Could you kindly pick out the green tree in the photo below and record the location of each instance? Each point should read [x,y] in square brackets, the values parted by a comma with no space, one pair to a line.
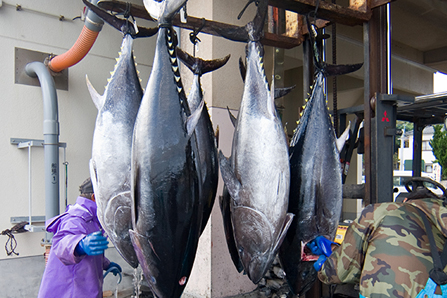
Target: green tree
[439,145]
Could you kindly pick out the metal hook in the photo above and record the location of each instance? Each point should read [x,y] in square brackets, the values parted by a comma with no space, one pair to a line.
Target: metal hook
[245,7]
[193,35]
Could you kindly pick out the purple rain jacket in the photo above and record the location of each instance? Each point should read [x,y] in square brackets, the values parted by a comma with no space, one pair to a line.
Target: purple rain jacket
[66,274]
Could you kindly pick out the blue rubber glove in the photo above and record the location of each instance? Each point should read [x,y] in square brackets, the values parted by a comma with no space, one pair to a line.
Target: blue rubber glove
[317,265]
[93,244]
[320,246]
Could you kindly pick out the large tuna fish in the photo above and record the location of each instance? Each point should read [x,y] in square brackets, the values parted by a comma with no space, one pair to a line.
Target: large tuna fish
[205,136]
[316,185]
[257,177]
[112,142]
[166,217]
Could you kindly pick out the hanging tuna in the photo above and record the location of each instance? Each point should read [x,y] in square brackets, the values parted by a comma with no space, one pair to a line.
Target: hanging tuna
[112,139]
[257,176]
[205,135]
[316,185]
[166,210]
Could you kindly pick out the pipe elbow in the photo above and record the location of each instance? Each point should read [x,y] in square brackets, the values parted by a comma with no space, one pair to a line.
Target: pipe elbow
[92,26]
[76,53]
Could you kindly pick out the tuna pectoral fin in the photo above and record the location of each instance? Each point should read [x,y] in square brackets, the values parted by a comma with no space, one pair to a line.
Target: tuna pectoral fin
[224,202]
[93,175]
[98,100]
[342,139]
[118,221]
[231,182]
[192,120]
[140,244]
[232,117]
[282,235]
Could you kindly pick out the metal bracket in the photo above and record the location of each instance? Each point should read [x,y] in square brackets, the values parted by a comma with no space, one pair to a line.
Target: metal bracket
[25,143]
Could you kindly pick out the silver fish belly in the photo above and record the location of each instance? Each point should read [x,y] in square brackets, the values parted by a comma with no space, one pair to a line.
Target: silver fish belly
[111,150]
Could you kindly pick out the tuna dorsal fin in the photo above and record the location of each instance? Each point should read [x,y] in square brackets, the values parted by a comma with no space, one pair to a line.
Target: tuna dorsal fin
[231,182]
[287,222]
[98,100]
[200,66]
[163,10]
[192,120]
[342,139]
[232,117]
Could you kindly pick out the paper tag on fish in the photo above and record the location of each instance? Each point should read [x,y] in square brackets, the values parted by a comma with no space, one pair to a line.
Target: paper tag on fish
[306,254]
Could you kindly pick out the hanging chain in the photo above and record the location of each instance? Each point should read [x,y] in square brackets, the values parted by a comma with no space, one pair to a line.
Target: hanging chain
[334,79]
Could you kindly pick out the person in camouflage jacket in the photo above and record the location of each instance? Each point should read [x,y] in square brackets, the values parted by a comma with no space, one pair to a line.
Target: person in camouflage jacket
[386,249]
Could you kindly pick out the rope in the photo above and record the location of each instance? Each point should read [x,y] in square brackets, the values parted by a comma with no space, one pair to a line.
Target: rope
[11,243]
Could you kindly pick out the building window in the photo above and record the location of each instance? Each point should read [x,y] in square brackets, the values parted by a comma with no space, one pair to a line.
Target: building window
[429,168]
[426,146]
[406,144]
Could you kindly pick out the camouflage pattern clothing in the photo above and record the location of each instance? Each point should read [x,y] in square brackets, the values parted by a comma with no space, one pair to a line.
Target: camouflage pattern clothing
[386,250]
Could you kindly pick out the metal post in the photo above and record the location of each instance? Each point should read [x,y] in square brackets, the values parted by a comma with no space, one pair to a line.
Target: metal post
[51,138]
[417,148]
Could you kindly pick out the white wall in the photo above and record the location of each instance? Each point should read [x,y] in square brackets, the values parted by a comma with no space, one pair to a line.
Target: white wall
[37,28]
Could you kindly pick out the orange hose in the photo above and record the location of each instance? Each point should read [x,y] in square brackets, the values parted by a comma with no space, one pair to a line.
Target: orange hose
[78,51]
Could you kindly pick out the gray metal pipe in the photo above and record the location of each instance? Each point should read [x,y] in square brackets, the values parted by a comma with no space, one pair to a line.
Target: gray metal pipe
[51,138]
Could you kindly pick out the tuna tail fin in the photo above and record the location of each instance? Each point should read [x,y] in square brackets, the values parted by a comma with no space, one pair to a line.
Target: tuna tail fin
[193,119]
[232,117]
[336,70]
[98,100]
[125,26]
[253,30]
[342,139]
[231,182]
[163,10]
[200,66]
[280,92]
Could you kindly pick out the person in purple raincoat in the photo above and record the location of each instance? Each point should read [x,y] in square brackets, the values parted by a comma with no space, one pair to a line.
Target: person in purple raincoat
[76,261]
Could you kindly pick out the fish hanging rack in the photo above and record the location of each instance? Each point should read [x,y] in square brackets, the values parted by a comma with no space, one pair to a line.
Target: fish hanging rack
[358,12]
